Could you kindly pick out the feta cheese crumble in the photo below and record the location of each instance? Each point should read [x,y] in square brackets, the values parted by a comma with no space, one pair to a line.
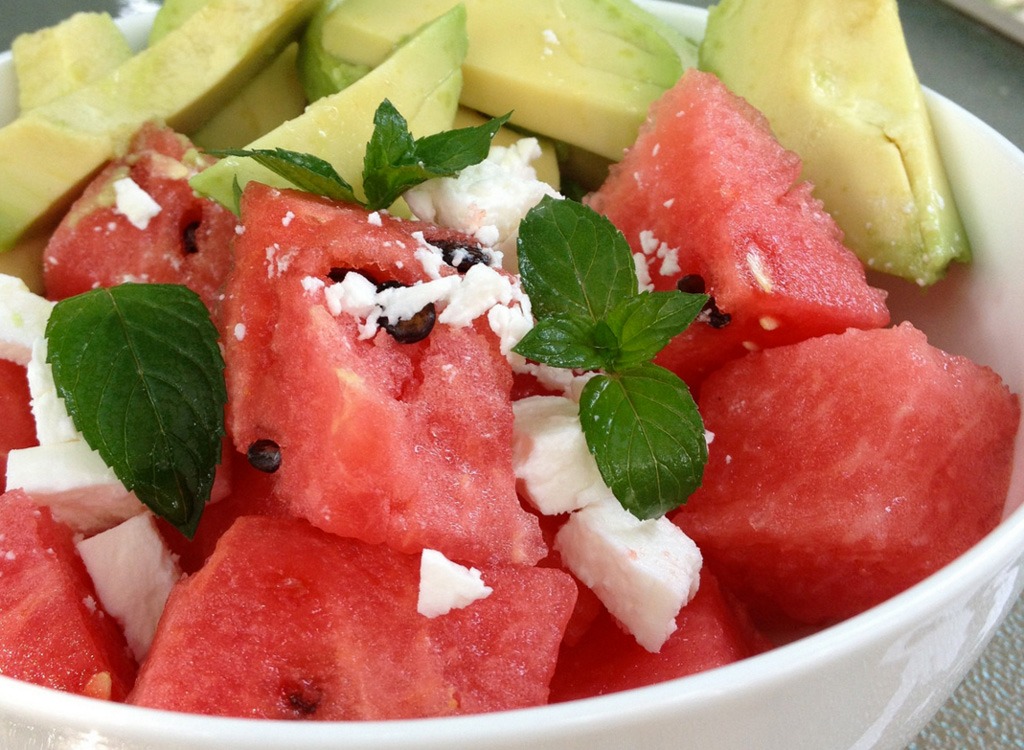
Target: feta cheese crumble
[133,572]
[53,424]
[554,469]
[487,200]
[23,317]
[71,478]
[644,572]
[445,585]
[134,203]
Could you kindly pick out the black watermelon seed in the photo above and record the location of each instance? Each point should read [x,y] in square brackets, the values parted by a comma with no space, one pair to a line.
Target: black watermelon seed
[337,275]
[264,455]
[461,255]
[691,283]
[716,318]
[414,329]
[188,238]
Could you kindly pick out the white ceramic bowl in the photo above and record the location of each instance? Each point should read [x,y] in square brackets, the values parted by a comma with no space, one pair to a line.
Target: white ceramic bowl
[870,682]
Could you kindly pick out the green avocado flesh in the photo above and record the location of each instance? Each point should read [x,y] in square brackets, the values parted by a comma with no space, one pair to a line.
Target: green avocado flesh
[53,149]
[422,79]
[52,62]
[835,80]
[580,71]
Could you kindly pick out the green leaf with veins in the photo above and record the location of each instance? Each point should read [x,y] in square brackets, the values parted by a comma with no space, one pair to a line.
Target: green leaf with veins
[573,261]
[643,325]
[141,373]
[566,341]
[647,437]
[640,422]
[304,171]
[394,161]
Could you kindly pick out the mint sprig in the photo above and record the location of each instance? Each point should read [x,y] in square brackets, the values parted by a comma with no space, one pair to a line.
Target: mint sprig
[640,421]
[393,163]
[140,371]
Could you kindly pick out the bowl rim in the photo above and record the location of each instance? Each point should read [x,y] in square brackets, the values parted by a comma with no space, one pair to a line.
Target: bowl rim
[998,551]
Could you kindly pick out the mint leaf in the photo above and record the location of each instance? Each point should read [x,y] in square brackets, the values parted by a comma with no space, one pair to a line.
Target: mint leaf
[639,420]
[643,325]
[567,342]
[304,171]
[390,165]
[395,162]
[451,151]
[573,261]
[644,430]
[140,370]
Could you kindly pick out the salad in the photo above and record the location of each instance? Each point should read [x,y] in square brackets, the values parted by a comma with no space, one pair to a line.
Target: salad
[335,319]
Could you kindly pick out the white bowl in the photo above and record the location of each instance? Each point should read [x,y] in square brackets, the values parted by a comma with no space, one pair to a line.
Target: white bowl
[870,682]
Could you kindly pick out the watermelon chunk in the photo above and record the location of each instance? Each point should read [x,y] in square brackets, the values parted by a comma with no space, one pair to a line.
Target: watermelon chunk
[18,427]
[708,189]
[188,242]
[845,469]
[711,631]
[403,443]
[53,632]
[251,493]
[287,621]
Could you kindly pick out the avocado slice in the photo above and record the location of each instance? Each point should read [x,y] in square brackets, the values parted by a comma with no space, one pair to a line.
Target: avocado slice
[581,71]
[422,79]
[836,82]
[171,15]
[51,151]
[271,97]
[274,96]
[57,60]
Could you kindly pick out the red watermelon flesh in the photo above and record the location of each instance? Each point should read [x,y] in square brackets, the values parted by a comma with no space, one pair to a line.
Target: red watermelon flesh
[188,242]
[707,179]
[711,631]
[408,444]
[288,622]
[250,494]
[847,468]
[52,629]
[17,427]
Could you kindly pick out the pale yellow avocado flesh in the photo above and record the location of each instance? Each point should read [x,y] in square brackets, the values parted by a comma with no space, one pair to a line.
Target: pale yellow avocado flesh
[171,15]
[47,154]
[422,79]
[271,97]
[274,96]
[53,62]
[836,82]
[583,71]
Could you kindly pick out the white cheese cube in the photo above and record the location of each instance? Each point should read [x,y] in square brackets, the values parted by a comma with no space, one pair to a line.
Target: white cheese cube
[53,424]
[445,585]
[642,571]
[133,571]
[73,481]
[134,203]
[23,316]
[554,468]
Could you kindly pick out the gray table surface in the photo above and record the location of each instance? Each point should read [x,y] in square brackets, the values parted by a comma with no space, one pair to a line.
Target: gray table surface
[979,69]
